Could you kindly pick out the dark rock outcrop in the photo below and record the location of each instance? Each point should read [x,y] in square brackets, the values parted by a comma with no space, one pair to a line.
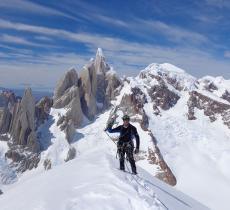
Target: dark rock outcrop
[163,97]
[155,157]
[22,158]
[47,164]
[7,102]
[5,119]
[132,104]
[211,107]
[42,110]
[71,154]
[226,96]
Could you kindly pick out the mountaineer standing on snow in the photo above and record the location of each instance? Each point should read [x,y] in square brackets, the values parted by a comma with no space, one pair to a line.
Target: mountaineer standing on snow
[125,143]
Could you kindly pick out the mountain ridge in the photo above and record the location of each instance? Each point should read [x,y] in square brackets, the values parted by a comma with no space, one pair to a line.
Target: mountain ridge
[164,102]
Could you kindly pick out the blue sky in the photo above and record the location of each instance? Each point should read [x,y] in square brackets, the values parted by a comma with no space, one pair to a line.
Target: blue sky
[40,40]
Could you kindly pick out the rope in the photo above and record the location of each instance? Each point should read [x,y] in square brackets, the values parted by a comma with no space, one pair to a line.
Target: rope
[134,176]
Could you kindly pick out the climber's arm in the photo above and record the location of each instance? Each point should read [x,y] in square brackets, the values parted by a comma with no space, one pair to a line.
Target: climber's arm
[114,130]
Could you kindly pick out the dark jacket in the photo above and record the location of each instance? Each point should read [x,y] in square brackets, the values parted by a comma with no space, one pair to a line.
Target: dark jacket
[126,134]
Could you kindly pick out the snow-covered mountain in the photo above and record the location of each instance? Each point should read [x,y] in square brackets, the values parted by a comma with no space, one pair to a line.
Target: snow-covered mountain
[184,128]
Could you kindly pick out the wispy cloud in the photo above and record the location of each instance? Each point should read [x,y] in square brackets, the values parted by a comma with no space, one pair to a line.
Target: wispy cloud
[18,40]
[32,7]
[219,3]
[135,25]
[172,33]
[127,57]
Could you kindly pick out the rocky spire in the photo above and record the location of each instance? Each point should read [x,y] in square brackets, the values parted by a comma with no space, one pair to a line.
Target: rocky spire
[100,65]
[68,80]
[7,102]
[88,94]
[89,88]
[23,123]
[67,95]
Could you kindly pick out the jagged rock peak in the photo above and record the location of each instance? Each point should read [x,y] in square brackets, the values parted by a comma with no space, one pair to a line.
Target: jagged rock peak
[23,122]
[68,80]
[100,64]
[100,53]
[28,107]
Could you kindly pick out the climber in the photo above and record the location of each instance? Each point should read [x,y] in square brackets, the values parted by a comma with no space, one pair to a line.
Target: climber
[125,143]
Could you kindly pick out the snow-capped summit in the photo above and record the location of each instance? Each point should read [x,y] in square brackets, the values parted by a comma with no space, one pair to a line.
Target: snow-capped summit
[171,74]
[165,67]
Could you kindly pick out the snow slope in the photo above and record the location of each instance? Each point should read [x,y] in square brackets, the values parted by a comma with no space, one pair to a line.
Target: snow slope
[92,181]
[198,152]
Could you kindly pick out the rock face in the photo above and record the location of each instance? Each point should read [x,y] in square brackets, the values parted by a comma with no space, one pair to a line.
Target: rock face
[163,97]
[67,96]
[112,84]
[5,118]
[71,154]
[22,128]
[212,108]
[88,81]
[155,157]
[7,102]
[226,96]
[70,79]
[42,110]
[22,158]
[24,147]
[132,104]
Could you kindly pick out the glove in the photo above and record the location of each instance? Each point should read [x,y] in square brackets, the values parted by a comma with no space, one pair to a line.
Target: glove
[110,125]
[136,151]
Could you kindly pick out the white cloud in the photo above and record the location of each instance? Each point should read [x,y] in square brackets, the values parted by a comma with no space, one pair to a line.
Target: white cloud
[176,33]
[17,40]
[127,57]
[34,8]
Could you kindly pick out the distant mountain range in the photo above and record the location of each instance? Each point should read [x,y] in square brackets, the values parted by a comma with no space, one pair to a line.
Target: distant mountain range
[37,94]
